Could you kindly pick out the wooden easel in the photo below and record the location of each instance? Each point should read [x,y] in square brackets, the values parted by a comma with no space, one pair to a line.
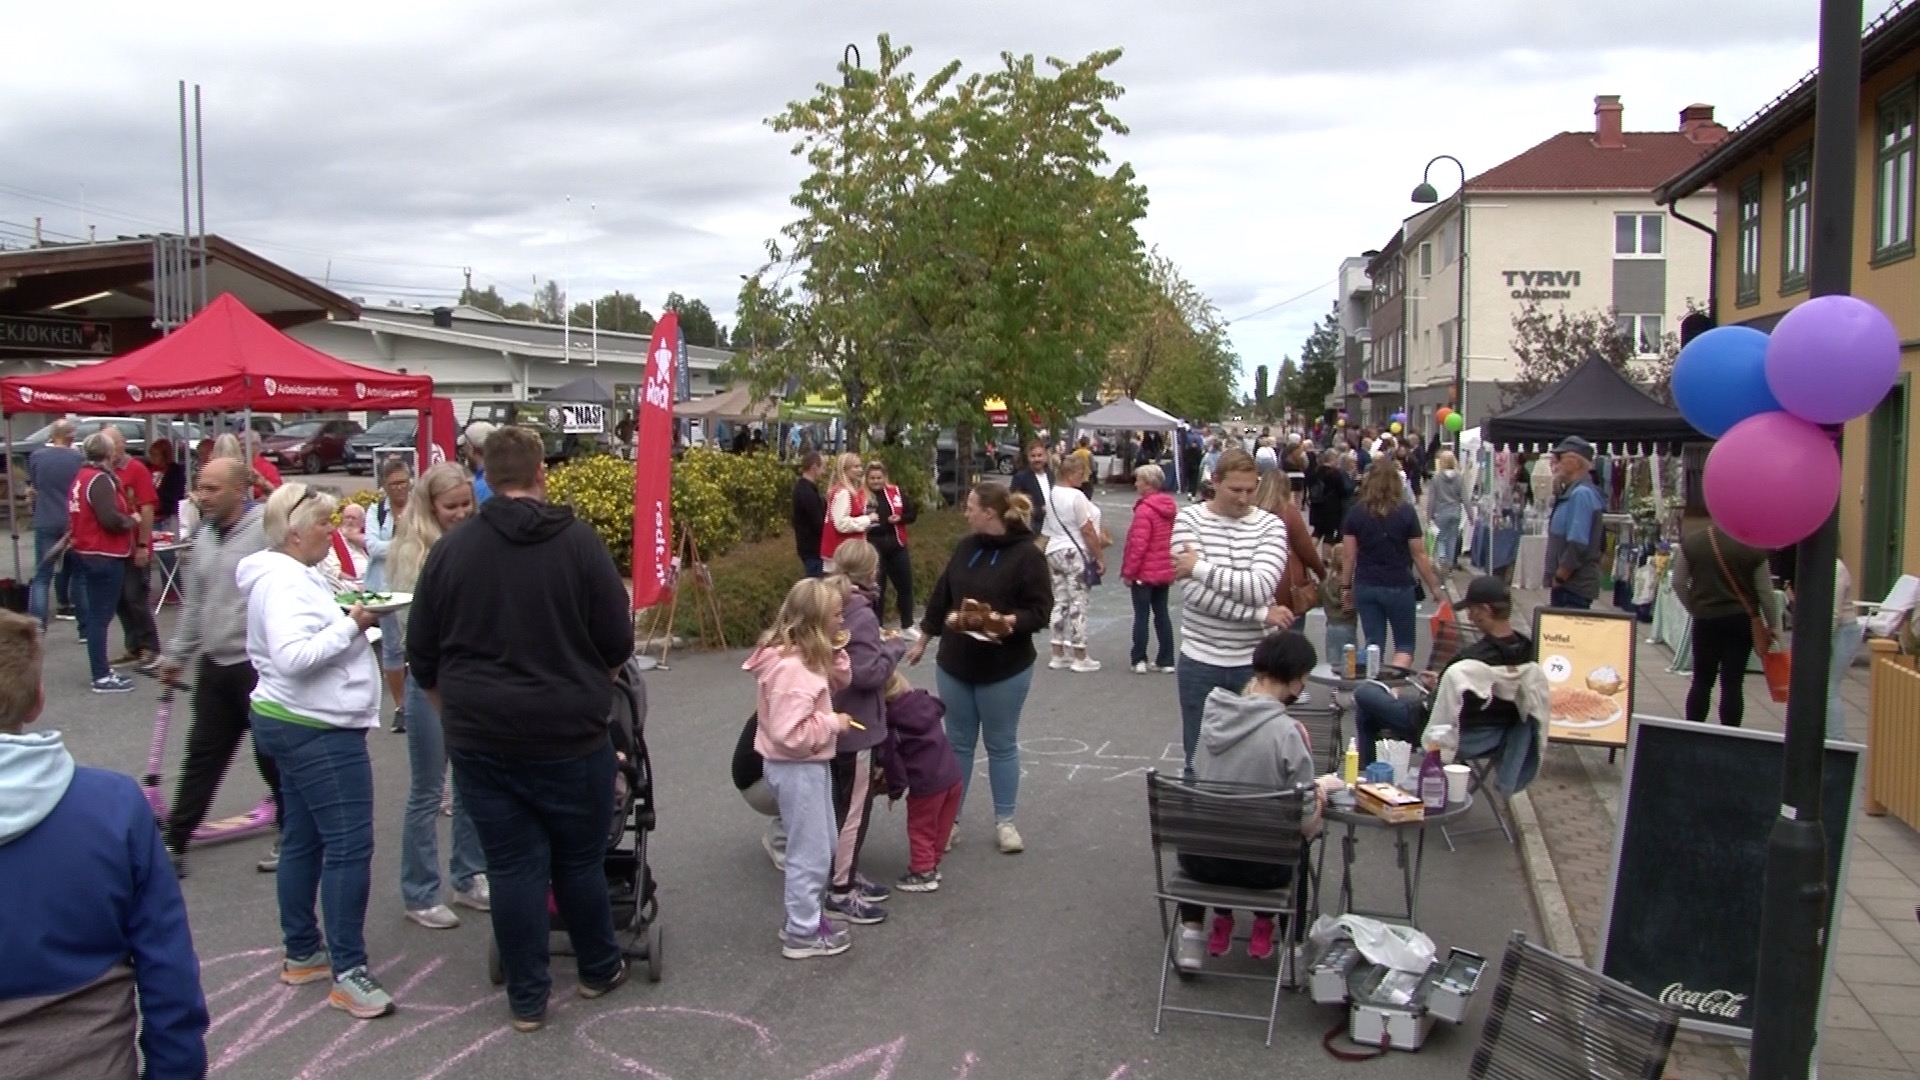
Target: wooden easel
[660,618]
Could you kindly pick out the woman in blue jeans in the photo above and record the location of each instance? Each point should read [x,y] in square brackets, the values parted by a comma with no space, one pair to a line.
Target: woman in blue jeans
[315,699]
[1384,547]
[984,680]
[103,528]
[443,501]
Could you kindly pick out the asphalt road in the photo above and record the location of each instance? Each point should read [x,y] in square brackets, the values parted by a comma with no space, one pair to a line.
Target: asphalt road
[1031,966]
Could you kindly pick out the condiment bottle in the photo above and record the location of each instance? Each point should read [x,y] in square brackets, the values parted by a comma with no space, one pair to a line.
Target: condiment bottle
[1351,773]
[1433,781]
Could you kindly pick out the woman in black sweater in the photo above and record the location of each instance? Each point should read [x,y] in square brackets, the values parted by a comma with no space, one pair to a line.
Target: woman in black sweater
[984,679]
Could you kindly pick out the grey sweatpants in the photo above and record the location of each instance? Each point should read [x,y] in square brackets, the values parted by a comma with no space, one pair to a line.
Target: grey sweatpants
[805,792]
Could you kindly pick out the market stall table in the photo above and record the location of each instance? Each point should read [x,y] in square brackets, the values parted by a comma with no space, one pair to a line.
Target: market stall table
[1354,818]
[180,548]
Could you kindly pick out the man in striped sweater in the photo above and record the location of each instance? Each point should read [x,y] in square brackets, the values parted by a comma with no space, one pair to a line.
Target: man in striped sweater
[1231,555]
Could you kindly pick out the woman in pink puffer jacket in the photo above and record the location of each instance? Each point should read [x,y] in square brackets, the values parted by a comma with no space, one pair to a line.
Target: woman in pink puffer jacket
[1147,566]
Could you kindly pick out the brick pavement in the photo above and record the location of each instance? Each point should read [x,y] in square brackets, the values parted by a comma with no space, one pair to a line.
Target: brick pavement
[1872,1023]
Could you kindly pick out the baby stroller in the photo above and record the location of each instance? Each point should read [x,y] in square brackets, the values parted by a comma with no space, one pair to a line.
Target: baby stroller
[630,883]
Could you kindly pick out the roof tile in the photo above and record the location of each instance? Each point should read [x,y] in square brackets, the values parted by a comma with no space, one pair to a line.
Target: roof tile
[1570,161]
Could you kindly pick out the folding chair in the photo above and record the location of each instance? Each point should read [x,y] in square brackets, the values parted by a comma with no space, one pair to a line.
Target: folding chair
[1553,1018]
[1321,717]
[1483,781]
[1226,821]
[1884,619]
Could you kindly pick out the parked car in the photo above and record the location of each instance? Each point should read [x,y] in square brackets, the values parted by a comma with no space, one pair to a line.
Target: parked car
[397,430]
[945,457]
[179,432]
[312,446]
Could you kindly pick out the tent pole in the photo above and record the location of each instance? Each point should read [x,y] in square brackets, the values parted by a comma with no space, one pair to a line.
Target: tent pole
[13,500]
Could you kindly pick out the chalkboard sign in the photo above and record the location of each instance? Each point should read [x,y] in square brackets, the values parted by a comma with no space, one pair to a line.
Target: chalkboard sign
[1689,864]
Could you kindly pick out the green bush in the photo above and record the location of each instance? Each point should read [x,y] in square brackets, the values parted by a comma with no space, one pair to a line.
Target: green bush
[751,581]
[724,499]
[911,470]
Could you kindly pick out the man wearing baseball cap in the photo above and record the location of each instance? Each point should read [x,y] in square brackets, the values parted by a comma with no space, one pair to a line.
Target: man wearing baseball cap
[1574,534]
[477,433]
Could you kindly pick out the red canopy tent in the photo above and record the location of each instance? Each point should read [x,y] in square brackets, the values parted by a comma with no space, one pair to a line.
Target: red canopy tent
[226,358]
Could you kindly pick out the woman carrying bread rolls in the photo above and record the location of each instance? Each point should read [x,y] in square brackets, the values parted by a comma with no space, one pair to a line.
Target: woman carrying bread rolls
[994,595]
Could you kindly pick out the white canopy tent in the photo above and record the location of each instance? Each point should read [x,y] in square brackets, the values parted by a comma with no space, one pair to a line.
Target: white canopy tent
[1127,414]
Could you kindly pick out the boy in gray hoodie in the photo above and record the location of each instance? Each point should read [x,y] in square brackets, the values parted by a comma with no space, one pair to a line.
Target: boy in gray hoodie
[1248,738]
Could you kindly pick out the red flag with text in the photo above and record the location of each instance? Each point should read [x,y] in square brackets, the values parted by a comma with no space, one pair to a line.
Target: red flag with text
[653,468]
[438,437]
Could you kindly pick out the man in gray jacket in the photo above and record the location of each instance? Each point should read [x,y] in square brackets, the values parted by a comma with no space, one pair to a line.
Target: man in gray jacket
[213,628]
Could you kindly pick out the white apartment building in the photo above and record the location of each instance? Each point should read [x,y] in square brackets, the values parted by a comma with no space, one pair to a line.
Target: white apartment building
[1570,224]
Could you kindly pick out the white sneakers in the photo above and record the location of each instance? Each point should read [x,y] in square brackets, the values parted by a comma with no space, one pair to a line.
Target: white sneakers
[1085,663]
[437,917]
[477,895]
[1191,950]
[1009,837]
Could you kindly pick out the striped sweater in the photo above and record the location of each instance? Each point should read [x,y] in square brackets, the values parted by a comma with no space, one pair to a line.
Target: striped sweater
[1224,604]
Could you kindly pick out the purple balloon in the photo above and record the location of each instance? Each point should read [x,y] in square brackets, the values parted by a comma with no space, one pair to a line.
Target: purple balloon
[1832,358]
[1772,480]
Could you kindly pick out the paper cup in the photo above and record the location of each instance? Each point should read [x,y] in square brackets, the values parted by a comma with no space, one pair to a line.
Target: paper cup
[1457,776]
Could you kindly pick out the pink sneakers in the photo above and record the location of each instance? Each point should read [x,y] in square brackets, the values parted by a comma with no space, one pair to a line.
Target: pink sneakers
[1260,942]
[1222,937]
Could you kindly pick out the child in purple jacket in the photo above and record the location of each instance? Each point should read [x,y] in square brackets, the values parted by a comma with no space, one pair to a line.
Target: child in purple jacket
[919,762]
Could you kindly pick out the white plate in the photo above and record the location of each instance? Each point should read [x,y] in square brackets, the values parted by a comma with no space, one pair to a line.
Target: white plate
[398,601]
[1587,725]
[978,636]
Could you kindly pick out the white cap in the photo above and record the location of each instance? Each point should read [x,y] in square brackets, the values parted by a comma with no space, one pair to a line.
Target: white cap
[478,431]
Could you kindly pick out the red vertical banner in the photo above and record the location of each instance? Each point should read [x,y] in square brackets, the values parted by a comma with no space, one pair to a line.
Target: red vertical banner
[436,438]
[653,467]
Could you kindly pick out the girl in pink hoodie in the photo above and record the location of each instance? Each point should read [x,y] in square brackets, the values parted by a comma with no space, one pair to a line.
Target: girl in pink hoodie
[798,664]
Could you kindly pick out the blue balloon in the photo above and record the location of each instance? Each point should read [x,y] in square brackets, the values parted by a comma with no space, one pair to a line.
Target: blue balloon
[1720,379]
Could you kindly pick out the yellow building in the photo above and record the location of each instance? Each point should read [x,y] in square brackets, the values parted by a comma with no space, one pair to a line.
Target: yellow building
[1763,173]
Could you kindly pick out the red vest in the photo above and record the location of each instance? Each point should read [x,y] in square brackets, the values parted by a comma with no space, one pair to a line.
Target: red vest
[89,536]
[830,537]
[898,506]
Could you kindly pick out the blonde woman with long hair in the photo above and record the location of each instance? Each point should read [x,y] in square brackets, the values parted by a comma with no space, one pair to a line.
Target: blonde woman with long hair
[798,664]
[1446,503]
[441,500]
[847,517]
[1384,546]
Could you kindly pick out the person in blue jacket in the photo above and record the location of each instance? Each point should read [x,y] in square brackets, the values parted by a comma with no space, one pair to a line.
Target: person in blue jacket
[99,961]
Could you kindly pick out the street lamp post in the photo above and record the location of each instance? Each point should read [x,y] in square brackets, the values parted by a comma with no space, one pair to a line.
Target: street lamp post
[1426,195]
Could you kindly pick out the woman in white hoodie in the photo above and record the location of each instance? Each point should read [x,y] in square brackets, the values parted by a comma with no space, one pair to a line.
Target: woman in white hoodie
[315,700]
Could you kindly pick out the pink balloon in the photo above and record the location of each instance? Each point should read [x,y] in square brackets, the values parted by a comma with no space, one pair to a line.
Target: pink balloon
[1772,480]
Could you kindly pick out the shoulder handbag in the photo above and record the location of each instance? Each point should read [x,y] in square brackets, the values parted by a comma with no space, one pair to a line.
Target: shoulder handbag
[1298,591]
[1089,573]
[1777,664]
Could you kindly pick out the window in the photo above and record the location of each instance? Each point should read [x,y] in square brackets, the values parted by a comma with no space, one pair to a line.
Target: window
[1746,275]
[1639,234]
[1446,341]
[1643,330]
[1449,243]
[1893,175]
[1796,181]
[1426,260]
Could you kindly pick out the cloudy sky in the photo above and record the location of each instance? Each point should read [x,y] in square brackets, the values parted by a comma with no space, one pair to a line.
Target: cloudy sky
[385,146]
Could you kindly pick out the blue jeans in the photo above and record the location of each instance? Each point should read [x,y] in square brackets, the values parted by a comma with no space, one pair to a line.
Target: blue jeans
[1378,714]
[1446,547]
[1193,681]
[326,836]
[989,711]
[1152,599]
[1562,597]
[99,578]
[1846,642]
[420,836]
[1339,636]
[541,821]
[56,576]
[1382,608]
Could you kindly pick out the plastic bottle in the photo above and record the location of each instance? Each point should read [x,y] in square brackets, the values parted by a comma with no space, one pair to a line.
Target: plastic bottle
[1350,661]
[1351,773]
[1433,782]
[1373,661]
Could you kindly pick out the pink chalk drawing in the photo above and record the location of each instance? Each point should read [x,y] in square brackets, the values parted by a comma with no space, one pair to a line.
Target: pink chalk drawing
[252,1011]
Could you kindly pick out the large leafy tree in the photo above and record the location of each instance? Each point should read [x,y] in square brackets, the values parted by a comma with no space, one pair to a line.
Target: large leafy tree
[696,322]
[1319,368]
[1549,344]
[1176,354]
[958,238]
[617,311]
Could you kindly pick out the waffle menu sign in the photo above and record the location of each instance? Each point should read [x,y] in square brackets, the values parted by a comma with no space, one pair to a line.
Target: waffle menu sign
[27,334]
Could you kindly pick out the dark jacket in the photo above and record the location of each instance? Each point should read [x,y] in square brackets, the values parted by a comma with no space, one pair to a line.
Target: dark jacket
[94,933]
[1027,483]
[809,516]
[917,756]
[748,766]
[1007,573]
[518,619]
[872,660]
[1495,652]
[1709,594]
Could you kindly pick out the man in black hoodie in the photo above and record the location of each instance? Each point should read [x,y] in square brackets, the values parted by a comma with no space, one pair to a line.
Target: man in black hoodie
[518,622]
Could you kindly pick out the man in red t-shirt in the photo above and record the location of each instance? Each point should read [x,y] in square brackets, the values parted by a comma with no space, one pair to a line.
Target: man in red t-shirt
[136,588]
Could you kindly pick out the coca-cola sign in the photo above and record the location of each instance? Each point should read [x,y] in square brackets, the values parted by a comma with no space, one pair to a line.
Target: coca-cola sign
[1722,1003]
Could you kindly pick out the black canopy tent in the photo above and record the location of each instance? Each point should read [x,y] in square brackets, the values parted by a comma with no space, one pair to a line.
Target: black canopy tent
[1598,404]
[586,390]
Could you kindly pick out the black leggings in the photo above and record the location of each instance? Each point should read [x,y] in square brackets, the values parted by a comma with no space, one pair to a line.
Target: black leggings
[1242,875]
[1721,648]
[896,569]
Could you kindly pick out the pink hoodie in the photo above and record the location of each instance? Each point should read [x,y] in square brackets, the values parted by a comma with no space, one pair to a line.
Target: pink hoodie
[796,706]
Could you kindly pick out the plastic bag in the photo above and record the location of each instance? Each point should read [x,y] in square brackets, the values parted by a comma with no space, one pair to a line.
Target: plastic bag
[1402,948]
